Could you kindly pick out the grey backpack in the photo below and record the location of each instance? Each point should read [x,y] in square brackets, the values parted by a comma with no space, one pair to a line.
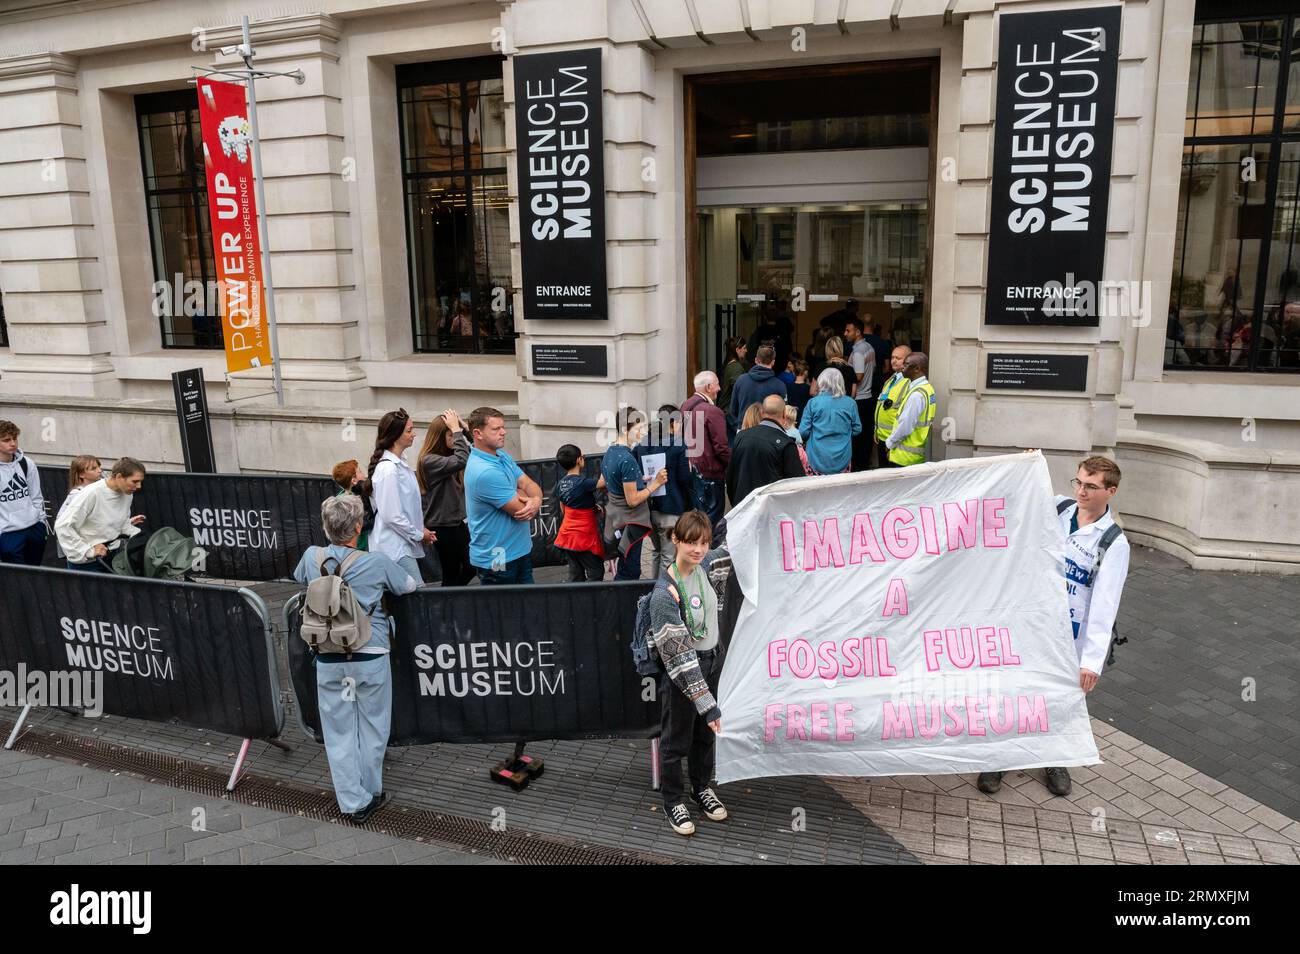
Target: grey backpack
[332,619]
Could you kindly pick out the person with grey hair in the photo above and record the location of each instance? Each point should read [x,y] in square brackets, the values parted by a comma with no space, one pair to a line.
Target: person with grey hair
[830,422]
[704,425]
[355,693]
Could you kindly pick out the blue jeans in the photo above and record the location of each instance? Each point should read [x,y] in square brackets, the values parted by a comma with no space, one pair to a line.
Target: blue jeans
[719,500]
[355,718]
[629,567]
[516,571]
[23,546]
[91,566]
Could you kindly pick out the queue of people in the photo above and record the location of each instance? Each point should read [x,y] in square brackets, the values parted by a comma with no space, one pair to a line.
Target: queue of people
[464,511]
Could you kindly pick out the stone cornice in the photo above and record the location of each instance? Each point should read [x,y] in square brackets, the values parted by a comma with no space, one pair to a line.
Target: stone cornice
[310,26]
[37,64]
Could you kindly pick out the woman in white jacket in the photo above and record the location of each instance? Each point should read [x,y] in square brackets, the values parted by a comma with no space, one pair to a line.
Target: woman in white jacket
[394,494]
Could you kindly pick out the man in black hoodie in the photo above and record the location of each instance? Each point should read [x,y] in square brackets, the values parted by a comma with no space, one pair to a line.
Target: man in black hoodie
[763,454]
[756,383]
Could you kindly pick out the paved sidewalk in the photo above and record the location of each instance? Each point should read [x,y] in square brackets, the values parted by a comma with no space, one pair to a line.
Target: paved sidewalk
[54,812]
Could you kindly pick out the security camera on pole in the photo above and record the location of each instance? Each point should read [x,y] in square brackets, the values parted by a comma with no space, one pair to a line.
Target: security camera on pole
[242,250]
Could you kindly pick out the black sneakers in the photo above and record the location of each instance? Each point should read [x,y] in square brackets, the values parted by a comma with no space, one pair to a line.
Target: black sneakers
[1058,781]
[362,815]
[680,819]
[710,804]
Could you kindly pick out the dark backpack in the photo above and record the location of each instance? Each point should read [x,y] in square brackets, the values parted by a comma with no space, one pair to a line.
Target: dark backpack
[704,493]
[644,659]
[1111,534]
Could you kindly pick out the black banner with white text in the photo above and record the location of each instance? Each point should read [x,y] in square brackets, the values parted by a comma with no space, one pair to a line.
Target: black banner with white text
[507,663]
[192,653]
[561,160]
[1052,143]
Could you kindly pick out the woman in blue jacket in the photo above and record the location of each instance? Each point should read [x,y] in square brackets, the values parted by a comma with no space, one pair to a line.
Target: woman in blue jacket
[830,422]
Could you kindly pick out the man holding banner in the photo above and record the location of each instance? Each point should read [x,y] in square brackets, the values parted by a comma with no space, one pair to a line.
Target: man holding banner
[1090,533]
[954,654]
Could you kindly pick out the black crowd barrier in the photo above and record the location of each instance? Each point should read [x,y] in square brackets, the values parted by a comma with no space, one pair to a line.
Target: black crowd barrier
[546,525]
[192,653]
[256,527]
[253,527]
[505,664]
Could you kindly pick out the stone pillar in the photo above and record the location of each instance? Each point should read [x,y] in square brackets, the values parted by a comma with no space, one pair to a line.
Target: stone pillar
[51,270]
[983,421]
[581,410]
[304,163]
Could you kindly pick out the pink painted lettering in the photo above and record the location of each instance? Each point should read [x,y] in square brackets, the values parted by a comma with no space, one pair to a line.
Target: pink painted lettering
[896,599]
[901,538]
[821,545]
[960,524]
[864,540]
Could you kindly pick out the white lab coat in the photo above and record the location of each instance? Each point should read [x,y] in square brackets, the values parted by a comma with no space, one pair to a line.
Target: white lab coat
[1093,609]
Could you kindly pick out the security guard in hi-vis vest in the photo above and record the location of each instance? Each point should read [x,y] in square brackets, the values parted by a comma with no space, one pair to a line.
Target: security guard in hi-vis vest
[889,402]
[906,442]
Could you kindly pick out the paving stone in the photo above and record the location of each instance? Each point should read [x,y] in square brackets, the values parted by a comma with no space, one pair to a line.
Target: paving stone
[1233,819]
[1266,816]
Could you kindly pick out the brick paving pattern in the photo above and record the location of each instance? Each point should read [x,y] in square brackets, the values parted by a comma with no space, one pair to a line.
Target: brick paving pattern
[54,812]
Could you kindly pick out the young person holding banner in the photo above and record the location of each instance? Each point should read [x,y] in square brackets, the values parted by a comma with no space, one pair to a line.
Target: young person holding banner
[1094,585]
[355,695]
[685,635]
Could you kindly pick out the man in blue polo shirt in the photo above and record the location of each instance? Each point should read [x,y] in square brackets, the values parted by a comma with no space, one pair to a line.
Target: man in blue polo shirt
[500,502]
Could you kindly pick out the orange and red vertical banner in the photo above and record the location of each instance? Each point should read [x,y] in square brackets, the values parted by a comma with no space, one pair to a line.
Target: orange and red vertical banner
[232,207]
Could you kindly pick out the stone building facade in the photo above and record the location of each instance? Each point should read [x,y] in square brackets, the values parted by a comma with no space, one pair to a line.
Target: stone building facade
[1211,453]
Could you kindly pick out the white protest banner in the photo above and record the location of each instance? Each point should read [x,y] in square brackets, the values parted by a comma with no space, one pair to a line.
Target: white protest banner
[901,622]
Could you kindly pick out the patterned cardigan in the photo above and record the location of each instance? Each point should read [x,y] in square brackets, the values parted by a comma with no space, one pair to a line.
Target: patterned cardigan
[672,642]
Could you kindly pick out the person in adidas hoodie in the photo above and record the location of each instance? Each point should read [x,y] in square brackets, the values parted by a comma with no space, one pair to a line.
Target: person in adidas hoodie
[1094,585]
[22,508]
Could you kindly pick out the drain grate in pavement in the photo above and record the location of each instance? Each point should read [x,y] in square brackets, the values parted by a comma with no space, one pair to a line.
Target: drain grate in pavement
[518,847]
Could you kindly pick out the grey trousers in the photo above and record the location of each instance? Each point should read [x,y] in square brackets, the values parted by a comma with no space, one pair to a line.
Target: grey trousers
[356,711]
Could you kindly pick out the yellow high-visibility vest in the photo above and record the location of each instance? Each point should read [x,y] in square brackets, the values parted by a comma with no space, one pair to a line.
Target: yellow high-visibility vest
[911,450]
[887,417]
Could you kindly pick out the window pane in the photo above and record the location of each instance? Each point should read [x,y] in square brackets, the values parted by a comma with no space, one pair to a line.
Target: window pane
[1279,335]
[1291,121]
[434,141]
[1238,70]
[457,210]
[494,307]
[169,152]
[1222,225]
[441,276]
[487,123]
[176,204]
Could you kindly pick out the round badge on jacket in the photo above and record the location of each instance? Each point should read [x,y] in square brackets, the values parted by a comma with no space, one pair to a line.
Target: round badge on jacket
[696,602]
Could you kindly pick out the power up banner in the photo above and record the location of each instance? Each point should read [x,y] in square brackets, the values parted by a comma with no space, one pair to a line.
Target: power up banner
[232,208]
[900,622]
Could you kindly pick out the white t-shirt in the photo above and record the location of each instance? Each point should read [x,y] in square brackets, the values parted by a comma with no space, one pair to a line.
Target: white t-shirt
[1093,608]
